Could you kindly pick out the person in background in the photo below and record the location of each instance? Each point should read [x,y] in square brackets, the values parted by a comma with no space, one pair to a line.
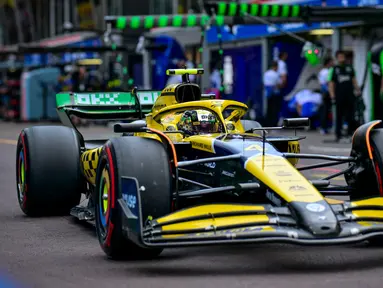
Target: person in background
[271,82]
[282,69]
[343,88]
[215,78]
[80,84]
[215,81]
[326,100]
[80,80]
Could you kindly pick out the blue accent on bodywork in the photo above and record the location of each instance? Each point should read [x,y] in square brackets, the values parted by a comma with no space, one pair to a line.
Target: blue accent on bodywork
[130,205]
[102,218]
[130,195]
[246,147]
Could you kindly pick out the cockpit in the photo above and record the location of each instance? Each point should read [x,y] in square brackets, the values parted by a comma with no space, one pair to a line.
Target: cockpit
[192,121]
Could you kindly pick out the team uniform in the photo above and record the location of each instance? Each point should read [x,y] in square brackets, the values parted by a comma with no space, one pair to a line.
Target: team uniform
[342,76]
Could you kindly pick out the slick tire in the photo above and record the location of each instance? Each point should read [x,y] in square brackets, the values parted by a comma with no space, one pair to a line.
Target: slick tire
[148,162]
[48,177]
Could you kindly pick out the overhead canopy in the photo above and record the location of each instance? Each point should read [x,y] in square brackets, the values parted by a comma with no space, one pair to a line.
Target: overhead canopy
[277,13]
[235,14]
[58,41]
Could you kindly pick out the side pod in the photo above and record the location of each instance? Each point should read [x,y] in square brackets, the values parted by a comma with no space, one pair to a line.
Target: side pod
[365,177]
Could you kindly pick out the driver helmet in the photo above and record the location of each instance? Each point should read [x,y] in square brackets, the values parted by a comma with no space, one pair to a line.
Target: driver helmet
[199,122]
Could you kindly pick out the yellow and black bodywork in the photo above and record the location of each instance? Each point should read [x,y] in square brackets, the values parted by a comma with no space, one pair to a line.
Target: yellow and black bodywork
[248,165]
[89,162]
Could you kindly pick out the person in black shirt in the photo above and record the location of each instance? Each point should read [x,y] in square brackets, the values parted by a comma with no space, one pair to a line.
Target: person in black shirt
[80,80]
[342,88]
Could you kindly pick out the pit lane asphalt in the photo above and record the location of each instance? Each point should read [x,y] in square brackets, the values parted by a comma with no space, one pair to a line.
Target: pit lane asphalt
[58,252]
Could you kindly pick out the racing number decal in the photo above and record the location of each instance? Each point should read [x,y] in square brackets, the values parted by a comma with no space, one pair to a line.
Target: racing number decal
[293,147]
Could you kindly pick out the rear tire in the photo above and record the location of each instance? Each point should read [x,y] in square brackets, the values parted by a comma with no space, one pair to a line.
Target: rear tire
[48,176]
[148,162]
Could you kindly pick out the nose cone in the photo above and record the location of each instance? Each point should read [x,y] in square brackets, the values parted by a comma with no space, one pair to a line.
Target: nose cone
[317,218]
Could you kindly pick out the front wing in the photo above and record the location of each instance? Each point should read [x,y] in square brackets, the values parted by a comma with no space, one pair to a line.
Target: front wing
[214,224]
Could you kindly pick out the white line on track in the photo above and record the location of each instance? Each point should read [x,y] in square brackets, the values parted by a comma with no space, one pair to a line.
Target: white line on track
[8,141]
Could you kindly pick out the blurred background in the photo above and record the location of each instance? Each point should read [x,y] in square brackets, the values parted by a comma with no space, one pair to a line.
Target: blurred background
[47,46]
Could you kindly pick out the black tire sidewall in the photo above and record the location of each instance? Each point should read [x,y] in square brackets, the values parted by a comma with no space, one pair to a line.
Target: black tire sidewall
[23,144]
[119,246]
[54,184]
[117,241]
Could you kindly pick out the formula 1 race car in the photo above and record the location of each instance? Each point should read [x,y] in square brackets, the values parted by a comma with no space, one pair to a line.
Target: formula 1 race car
[192,172]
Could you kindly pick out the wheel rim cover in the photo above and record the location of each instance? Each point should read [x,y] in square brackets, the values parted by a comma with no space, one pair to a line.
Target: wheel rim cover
[104,194]
[21,176]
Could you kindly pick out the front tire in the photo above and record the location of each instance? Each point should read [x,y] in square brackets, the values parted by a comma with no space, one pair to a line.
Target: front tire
[147,161]
[49,180]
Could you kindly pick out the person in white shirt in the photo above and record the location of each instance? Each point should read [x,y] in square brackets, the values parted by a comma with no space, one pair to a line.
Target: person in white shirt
[326,100]
[271,82]
[282,68]
[215,79]
[307,96]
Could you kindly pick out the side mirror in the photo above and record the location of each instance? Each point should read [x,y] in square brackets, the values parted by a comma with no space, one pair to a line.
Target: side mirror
[291,123]
[130,127]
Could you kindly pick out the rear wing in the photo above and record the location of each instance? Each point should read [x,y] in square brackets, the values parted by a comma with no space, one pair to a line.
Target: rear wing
[105,105]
